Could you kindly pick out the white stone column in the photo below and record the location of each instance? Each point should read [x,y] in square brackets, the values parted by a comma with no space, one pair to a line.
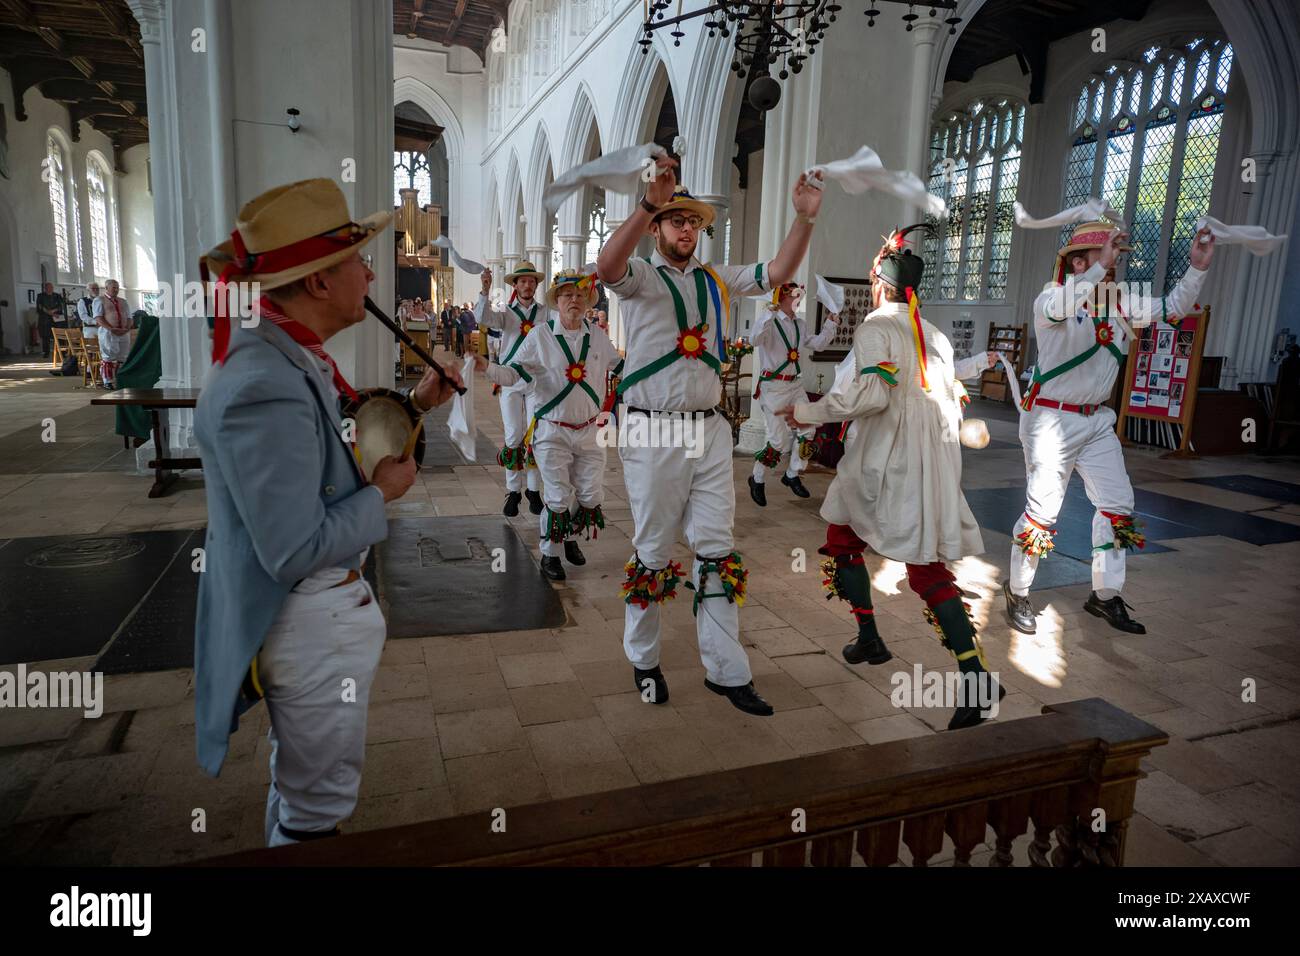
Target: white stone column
[540,256]
[925,39]
[709,248]
[575,251]
[185,342]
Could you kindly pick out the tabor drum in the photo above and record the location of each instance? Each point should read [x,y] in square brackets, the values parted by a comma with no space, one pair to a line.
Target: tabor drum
[384,420]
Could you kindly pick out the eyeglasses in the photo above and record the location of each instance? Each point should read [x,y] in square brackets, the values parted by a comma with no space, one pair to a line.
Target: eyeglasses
[681,222]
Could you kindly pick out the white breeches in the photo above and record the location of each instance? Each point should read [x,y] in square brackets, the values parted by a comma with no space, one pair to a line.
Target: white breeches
[773,396]
[572,467]
[516,410]
[1057,443]
[672,494]
[113,348]
[316,667]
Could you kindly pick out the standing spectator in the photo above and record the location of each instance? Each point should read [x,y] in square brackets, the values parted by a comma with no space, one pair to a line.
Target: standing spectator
[465,326]
[448,325]
[49,310]
[114,332]
[86,311]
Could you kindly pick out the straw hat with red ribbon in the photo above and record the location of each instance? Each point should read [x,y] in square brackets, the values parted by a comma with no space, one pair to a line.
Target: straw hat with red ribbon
[283,235]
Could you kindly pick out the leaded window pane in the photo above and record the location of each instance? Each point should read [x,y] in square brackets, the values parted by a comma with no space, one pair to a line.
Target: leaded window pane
[1194,189]
[58,208]
[1148,213]
[977,211]
[1003,221]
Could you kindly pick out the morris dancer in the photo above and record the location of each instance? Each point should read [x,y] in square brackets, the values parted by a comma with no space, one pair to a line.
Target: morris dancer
[674,308]
[898,487]
[567,364]
[114,332]
[1065,428]
[780,337]
[520,318]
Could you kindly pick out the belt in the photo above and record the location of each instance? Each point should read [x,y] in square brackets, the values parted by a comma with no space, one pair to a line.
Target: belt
[1066,406]
[649,411]
[574,427]
[768,377]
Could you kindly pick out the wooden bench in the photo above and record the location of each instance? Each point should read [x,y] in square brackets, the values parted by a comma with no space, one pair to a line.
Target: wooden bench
[1053,771]
[156,400]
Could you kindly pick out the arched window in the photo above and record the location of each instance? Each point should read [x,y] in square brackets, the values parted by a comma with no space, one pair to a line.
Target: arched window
[54,173]
[411,171]
[63,207]
[1145,137]
[975,168]
[101,222]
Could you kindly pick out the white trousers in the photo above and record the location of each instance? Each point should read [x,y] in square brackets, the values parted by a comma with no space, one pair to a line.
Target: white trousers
[572,466]
[316,667]
[780,435]
[1057,443]
[516,410]
[671,494]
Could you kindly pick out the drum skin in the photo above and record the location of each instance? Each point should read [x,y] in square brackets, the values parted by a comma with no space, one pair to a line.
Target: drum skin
[384,419]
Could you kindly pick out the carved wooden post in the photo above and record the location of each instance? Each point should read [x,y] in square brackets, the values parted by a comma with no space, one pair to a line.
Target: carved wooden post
[878,845]
[923,836]
[965,825]
[1048,808]
[833,850]
[789,854]
[1009,818]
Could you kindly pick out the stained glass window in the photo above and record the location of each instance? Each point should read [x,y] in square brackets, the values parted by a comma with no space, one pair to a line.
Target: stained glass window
[411,171]
[1156,165]
[975,169]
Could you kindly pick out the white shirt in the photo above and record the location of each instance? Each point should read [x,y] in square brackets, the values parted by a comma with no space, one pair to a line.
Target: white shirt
[650,318]
[770,345]
[87,315]
[511,323]
[542,359]
[114,309]
[1064,328]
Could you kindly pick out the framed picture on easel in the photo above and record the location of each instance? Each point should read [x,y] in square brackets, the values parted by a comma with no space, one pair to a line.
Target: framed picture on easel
[857,306]
[1160,379]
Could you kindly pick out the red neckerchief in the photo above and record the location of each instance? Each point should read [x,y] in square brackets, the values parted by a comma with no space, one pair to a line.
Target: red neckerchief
[307,339]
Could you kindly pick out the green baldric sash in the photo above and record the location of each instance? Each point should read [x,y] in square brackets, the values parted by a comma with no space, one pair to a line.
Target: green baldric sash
[691,340]
[576,374]
[525,326]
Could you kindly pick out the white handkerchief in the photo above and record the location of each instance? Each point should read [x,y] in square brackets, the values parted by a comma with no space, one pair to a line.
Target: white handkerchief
[1256,239]
[1012,382]
[465,265]
[864,170]
[1090,210]
[830,295]
[619,172]
[460,421]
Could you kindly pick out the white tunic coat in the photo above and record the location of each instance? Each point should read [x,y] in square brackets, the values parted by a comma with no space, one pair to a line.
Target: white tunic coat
[899,483]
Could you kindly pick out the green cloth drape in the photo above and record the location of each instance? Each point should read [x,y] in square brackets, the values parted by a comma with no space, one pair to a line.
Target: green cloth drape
[142,369]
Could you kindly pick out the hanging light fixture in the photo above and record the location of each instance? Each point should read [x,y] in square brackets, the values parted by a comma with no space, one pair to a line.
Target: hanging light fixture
[768,33]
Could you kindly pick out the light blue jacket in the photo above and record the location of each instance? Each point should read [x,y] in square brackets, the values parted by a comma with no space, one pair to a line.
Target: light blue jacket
[285,499]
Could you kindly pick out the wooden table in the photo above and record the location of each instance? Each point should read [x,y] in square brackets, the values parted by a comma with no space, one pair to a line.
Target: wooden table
[156,399]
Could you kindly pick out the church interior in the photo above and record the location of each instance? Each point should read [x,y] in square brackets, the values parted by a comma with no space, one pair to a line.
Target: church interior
[134,135]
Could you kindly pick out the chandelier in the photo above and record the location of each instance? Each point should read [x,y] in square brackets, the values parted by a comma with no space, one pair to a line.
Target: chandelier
[772,32]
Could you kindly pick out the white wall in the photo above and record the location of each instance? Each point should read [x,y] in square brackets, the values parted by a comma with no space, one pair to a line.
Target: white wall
[135,205]
[451,86]
[25,213]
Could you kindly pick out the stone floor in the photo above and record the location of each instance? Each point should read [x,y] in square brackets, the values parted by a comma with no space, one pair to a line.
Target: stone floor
[465,723]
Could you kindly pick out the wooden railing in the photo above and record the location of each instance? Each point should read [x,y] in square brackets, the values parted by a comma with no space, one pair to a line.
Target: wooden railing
[1056,773]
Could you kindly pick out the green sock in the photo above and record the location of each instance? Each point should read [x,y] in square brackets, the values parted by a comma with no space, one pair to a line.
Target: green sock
[854,585]
[959,634]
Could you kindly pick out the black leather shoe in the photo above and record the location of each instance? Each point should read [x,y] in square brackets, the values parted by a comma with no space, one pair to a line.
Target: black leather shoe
[1114,612]
[552,568]
[796,485]
[743,698]
[965,717]
[534,501]
[757,492]
[872,651]
[511,510]
[573,554]
[1019,611]
[657,691]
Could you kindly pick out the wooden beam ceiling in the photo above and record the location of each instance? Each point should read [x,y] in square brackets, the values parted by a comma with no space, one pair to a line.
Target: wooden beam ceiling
[467,23]
[85,54]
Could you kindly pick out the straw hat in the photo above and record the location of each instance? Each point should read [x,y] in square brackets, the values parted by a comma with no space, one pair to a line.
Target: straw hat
[525,270]
[683,201]
[1086,235]
[585,281]
[290,232]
